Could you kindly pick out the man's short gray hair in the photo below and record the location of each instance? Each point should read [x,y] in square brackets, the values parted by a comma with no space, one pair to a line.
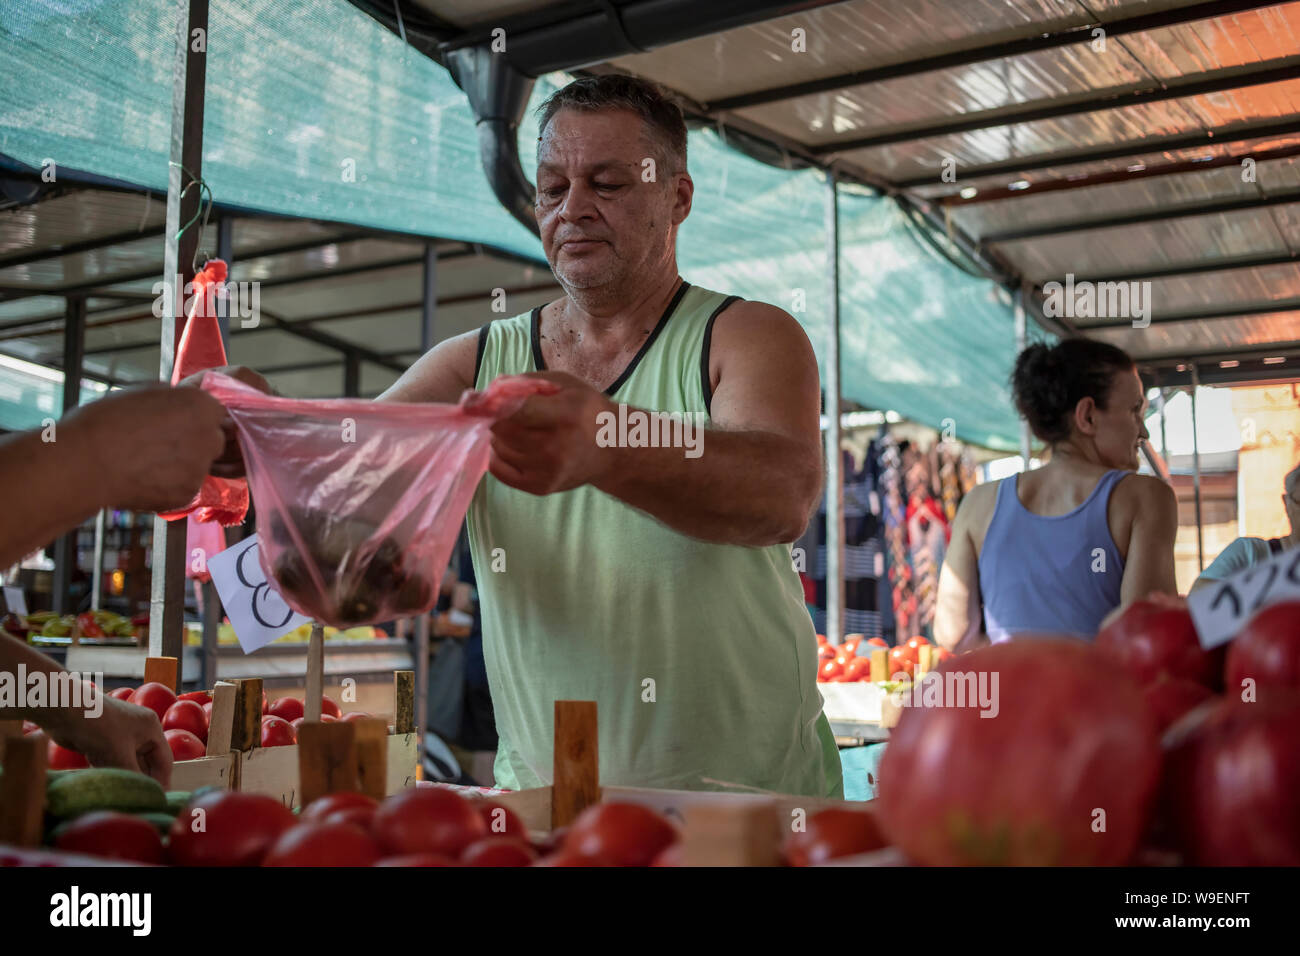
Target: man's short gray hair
[665,127]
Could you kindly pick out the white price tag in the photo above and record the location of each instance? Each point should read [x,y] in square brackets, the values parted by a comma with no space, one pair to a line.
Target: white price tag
[15,601]
[257,612]
[1222,608]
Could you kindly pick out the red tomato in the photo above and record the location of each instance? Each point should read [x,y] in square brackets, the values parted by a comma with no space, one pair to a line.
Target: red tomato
[157,697]
[957,787]
[859,669]
[1231,785]
[323,843]
[914,650]
[1169,699]
[627,834]
[418,859]
[186,715]
[427,820]
[289,708]
[89,626]
[207,713]
[1151,640]
[185,746]
[238,829]
[939,655]
[827,652]
[199,697]
[850,647]
[118,836]
[499,851]
[327,706]
[567,858]
[30,728]
[900,663]
[354,715]
[877,642]
[834,833]
[61,758]
[122,693]
[295,724]
[844,658]
[277,732]
[1267,650]
[673,855]
[904,652]
[501,821]
[345,807]
[830,670]
[821,639]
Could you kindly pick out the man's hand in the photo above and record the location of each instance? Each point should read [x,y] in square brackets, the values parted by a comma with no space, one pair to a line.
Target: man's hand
[150,447]
[549,445]
[123,735]
[230,463]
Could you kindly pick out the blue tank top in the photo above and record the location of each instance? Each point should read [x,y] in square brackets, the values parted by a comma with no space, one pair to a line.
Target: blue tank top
[1052,575]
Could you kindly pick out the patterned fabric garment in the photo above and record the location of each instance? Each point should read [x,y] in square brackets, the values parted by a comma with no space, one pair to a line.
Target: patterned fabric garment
[900,568]
[949,480]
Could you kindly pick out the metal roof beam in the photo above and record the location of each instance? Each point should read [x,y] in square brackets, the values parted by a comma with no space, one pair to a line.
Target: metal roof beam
[1219,81]
[1214,265]
[76,248]
[999,193]
[1201,138]
[1032,44]
[1201,315]
[1238,204]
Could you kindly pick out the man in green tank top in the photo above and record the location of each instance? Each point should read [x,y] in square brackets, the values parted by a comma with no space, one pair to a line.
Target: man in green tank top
[634,559]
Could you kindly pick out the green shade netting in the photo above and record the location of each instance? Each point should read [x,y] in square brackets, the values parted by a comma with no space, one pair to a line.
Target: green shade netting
[316,111]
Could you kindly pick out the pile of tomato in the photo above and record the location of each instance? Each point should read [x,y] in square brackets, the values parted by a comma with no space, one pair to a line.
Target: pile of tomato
[851,661]
[1140,745]
[422,826]
[186,718]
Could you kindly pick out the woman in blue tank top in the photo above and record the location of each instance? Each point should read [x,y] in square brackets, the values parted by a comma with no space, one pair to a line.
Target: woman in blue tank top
[1059,549]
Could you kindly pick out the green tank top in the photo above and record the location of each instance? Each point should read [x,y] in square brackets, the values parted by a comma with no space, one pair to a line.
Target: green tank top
[701,657]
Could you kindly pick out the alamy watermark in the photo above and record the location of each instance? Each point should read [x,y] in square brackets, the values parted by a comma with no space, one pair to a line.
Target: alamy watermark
[1098,300]
[241,300]
[978,689]
[64,689]
[637,428]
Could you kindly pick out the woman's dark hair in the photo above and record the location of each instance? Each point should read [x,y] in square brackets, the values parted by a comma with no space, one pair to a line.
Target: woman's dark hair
[1049,381]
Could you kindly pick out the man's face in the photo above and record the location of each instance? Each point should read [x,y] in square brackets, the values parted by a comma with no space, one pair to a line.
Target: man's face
[601,223]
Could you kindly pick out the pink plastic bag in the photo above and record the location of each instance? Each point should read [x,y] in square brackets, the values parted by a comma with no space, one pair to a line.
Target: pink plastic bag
[359,503]
[220,500]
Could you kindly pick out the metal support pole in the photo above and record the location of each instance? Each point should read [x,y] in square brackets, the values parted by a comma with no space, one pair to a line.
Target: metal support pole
[1196,473]
[428,318]
[429,301]
[834,475]
[351,375]
[65,547]
[167,589]
[1022,335]
[226,253]
[97,566]
[74,349]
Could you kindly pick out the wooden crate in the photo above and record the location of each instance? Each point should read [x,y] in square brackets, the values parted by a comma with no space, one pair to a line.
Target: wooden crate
[719,828]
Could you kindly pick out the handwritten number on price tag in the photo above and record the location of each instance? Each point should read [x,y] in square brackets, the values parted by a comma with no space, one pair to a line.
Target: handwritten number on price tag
[261,588]
[257,612]
[1220,611]
[1229,592]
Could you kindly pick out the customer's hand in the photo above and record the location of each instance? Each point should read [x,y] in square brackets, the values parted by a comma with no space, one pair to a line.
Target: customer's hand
[230,463]
[120,735]
[148,448]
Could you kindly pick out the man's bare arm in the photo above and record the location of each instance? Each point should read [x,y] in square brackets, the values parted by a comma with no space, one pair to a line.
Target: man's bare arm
[759,474]
[440,375]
